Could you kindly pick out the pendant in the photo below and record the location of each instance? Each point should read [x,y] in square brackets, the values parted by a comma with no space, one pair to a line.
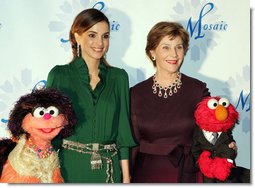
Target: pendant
[95,160]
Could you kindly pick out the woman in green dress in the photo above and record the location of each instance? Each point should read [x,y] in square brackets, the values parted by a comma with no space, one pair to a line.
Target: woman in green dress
[98,150]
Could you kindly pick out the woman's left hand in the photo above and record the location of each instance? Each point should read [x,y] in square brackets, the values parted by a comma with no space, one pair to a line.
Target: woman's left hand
[233,146]
[126,179]
[125,171]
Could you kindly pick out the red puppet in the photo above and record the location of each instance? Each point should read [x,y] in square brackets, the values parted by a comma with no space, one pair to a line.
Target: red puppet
[216,118]
[36,119]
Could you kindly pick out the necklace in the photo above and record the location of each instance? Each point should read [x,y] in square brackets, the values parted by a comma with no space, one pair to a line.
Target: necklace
[169,90]
[41,153]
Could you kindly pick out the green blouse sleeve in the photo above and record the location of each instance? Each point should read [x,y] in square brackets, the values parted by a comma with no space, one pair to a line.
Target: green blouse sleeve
[51,77]
[124,139]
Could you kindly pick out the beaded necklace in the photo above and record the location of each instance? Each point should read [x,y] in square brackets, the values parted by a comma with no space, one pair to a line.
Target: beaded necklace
[173,88]
[40,152]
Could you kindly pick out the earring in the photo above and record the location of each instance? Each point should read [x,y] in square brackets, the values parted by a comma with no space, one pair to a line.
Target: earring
[78,50]
[153,58]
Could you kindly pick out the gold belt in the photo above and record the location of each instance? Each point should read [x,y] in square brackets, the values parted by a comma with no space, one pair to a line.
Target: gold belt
[96,159]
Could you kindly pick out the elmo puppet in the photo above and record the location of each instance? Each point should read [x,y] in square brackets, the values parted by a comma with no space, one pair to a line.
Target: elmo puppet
[216,118]
[36,119]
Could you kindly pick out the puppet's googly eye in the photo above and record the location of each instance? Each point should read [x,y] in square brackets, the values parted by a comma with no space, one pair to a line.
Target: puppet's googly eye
[53,111]
[39,112]
[224,102]
[212,103]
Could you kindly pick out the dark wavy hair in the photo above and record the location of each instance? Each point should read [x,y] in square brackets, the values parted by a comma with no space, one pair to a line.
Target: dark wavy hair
[44,98]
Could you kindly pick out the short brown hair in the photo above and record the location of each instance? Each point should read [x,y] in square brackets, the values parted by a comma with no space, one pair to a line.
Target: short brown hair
[162,29]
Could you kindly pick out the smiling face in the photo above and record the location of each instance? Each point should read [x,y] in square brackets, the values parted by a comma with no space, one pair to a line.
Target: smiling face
[94,42]
[44,124]
[169,54]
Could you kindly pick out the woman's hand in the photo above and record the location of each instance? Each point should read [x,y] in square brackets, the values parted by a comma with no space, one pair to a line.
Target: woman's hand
[126,179]
[125,171]
[233,146]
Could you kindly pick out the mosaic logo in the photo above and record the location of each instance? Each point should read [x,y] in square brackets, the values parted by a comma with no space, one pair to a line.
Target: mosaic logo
[243,100]
[202,28]
[194,16]
[244,107]
[69,11]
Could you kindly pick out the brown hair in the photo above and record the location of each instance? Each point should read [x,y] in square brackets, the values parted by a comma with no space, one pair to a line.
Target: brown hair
[162,29]
[83,22]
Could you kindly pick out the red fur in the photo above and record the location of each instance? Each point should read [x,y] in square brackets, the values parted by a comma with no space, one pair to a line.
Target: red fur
[221,168]
[214,168]
[205,163]
[206,120]
[218,168]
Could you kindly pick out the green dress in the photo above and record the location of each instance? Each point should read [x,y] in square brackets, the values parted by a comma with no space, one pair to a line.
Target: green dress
[103,117]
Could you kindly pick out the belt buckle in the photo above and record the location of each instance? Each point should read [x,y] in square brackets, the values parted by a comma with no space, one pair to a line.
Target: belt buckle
[95,147]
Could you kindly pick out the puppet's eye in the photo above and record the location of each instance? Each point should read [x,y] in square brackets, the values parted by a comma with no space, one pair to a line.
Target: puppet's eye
[224,102]
[53,111]
[212,103]
[39,112]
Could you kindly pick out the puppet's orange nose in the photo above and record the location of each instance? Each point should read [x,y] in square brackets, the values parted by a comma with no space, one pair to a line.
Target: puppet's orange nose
[47,116]
[221,113]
